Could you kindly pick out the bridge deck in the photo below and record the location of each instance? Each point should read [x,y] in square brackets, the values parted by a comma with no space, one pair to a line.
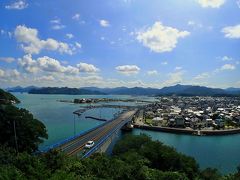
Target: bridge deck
[76,145]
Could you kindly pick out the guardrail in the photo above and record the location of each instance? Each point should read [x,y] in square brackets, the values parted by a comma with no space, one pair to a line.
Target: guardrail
[55,145]
[96,147]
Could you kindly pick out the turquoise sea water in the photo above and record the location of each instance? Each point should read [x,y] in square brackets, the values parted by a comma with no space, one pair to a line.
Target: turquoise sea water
[221,152]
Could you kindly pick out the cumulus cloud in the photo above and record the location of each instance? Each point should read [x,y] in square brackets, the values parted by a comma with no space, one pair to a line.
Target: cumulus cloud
[9,74]
[28,64]
[152,72]
[232,32]
[160,38]
[211,3]
[104,23]
[128,69]
[31,44]
[7,59]
[87,68]
[45,64]
[18,5]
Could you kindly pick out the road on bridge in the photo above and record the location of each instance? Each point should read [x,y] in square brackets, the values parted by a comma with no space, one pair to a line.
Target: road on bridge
[76,145]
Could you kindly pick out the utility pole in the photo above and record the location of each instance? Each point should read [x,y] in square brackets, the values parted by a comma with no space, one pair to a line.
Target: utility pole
[74,126]
[15,135]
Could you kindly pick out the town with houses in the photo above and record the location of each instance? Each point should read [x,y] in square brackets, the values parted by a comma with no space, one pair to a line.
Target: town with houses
[196,113]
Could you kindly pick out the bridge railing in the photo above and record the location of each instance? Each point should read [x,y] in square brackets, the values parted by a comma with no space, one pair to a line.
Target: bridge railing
[56,145]
[103,140]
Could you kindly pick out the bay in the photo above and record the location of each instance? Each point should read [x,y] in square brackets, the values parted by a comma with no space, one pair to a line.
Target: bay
[221,152]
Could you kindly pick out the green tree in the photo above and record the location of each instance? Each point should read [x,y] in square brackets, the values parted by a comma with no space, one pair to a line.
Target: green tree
[6,97]
[210,174]
[29,131]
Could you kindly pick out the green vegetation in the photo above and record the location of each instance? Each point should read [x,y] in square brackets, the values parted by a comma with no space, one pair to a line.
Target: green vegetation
[62,90]
[6,97]
[148,121]
[18,128]
[133,158]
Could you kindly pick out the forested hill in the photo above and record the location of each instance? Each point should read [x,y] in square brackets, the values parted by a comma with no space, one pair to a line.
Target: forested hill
[63,90]
[7,98]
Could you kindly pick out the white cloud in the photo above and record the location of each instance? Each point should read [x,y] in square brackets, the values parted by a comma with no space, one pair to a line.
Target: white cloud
[45,78]
[226,58]
[194,24]
[128,69]
[55,21]
[18,5]
[164,63]
[28,64]
[69,36]
[160,38]
[104,23]
[211,3]
[178,68]
[30,42]
[9,74]
[49,64]
[2,73]
[201,76]
[7,59]
[227,67]
[87,68]
[45,64]
[232,31]
[56,24]
[174,78]
[152,72]
[78,45]
[76,17]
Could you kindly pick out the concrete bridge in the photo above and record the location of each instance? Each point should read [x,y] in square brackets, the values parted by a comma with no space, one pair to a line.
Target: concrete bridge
[102,136]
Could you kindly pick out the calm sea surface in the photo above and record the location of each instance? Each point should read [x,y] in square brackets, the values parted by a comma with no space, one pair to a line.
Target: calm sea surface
[221,152]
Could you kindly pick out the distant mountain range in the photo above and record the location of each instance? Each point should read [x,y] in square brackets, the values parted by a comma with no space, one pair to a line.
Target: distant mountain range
[21,89]
[63,90]
[183,90]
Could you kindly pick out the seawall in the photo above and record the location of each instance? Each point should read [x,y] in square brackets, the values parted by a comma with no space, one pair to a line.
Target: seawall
[189,131]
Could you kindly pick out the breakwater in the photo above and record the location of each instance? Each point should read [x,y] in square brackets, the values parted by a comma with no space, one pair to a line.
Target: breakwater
[95,118]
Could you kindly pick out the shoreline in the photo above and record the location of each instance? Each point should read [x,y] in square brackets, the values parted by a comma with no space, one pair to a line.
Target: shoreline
[189,131]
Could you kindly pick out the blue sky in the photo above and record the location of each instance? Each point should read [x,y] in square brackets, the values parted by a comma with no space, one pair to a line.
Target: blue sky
[120,43]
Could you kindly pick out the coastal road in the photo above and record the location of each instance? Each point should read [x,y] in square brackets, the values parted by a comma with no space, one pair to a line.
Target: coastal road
[77,145]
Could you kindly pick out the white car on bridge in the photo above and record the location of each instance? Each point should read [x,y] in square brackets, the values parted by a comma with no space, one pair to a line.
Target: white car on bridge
[89,144]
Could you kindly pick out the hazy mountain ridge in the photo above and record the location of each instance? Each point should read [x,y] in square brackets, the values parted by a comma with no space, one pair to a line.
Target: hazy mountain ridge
[185,90]
[63,90]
